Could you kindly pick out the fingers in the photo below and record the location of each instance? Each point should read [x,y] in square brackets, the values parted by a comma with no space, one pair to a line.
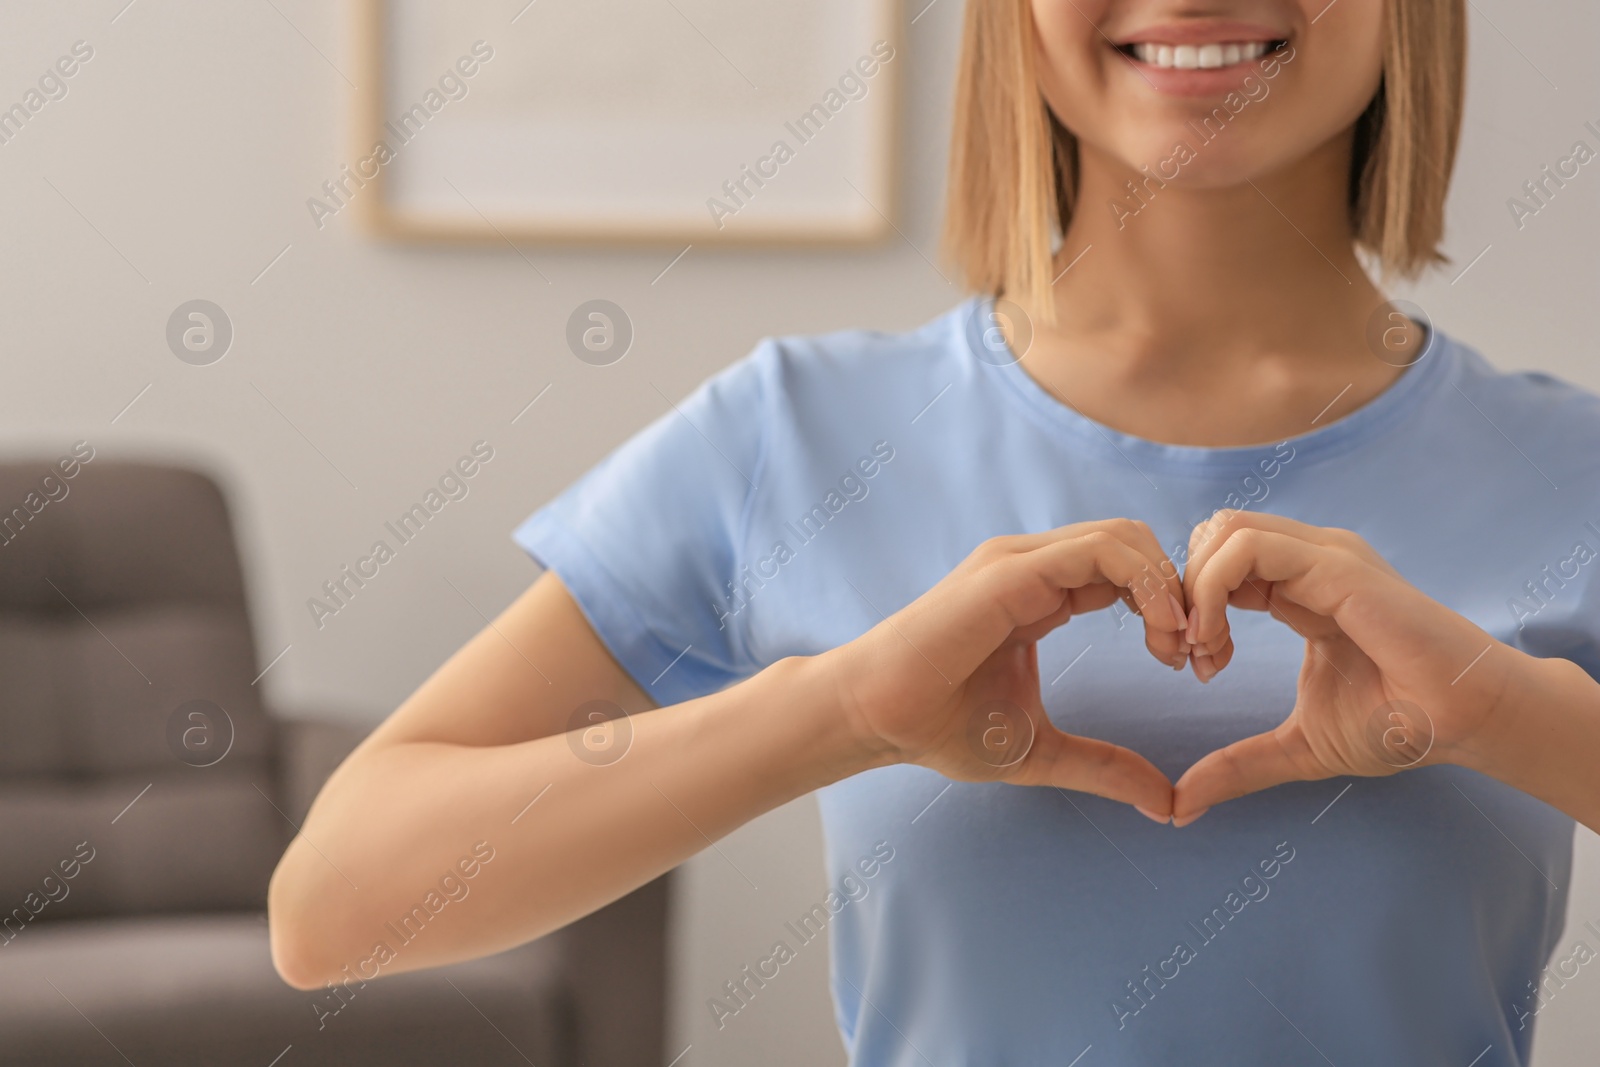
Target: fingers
[1162,576]
[1208,664]
[1320,581]
[1155,591]
[1246,766]
[1152,587]
[1161,582]
[1259,569]
[1209,535]
[1016,589]
[1099,767]
[1100,567]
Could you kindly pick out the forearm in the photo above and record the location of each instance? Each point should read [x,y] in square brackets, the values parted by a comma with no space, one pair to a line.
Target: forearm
[1545,739]
[395,819]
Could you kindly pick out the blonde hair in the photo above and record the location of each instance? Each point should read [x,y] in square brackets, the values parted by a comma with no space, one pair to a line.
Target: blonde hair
[1014,168]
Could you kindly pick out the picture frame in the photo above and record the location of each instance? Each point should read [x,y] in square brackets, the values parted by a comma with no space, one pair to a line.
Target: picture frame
[479,122]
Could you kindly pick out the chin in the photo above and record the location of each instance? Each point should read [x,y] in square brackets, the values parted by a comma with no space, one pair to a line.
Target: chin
[1179,154]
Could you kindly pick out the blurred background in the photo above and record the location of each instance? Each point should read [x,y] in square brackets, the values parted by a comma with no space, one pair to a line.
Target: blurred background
[177,164]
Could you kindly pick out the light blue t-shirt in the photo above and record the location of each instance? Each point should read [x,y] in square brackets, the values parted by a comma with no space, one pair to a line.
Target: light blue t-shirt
[821,482]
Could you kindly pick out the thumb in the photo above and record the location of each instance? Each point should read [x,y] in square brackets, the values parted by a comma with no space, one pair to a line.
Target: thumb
[1247,766]
[1087,765]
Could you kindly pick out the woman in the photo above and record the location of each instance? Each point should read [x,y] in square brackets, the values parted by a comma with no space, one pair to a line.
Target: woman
[915,573]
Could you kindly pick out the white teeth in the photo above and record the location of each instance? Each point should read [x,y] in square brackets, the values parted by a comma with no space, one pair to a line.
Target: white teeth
[1206,56]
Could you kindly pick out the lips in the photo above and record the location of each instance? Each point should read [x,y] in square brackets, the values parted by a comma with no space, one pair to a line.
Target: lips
[1198,59]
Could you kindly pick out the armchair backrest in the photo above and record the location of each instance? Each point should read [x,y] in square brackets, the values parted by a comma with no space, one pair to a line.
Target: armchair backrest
[126,670]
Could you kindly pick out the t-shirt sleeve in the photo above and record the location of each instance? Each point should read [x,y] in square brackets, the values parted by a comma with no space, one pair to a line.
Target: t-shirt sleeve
[647,541]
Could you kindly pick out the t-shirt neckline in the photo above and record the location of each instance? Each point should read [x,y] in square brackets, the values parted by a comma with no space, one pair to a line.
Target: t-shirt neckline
[1428,374]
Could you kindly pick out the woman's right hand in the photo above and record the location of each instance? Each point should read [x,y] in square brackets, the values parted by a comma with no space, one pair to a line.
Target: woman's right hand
[951,681]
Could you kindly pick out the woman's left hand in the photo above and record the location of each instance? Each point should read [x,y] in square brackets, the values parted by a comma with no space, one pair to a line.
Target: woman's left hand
[1391,678]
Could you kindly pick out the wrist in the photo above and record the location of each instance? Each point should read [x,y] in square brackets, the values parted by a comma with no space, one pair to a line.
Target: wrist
[1510,739]
[846,743]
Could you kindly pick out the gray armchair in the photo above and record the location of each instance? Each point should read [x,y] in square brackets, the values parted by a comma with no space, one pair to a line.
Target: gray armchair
[136,840]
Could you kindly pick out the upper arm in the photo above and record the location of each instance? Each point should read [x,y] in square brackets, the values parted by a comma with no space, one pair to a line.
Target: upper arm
[646,542]
[518,679]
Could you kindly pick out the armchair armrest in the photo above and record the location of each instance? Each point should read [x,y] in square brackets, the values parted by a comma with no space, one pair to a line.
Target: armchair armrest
[615,960]
[309,751]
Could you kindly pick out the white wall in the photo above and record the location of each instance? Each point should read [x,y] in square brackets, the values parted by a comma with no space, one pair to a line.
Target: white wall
[178,166]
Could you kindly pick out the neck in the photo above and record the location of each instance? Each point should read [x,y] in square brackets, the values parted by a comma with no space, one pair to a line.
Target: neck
[1200,274]
[1212,316]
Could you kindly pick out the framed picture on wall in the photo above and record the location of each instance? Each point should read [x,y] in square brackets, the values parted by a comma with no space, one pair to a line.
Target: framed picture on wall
[702,121]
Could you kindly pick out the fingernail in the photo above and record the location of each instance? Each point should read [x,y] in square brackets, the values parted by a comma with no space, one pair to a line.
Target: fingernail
[1192,633]
[1162,819]
[1177,609]
[1204,668]
[1187,819]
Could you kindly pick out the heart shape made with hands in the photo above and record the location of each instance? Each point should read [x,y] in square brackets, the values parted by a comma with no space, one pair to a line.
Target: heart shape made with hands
[1391,679]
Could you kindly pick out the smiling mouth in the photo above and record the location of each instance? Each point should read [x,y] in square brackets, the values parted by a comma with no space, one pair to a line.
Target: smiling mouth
[1211,56]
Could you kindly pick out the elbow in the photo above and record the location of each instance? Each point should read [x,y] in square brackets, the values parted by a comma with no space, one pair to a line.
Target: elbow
[299,947]
[295,970]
